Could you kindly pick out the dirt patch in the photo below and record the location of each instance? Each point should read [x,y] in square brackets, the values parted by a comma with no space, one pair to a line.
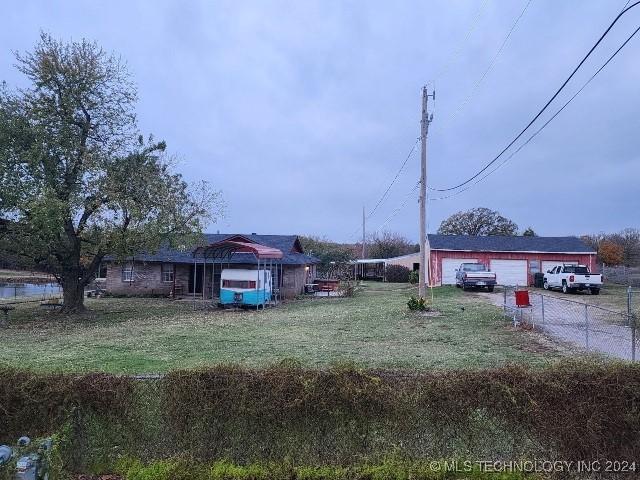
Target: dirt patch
[432,313]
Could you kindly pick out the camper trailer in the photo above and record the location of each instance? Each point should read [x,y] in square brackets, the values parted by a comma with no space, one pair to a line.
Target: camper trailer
[242,287]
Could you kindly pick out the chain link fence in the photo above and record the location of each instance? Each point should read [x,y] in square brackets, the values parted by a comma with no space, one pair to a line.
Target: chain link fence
[590,327]
[622,275]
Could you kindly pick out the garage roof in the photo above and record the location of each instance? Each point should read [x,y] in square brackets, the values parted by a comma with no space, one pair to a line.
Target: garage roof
[495,243]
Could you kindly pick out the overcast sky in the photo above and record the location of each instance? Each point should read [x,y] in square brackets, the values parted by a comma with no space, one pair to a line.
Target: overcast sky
[301,112]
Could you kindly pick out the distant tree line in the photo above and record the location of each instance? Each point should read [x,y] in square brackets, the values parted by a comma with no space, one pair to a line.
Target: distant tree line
[621,248]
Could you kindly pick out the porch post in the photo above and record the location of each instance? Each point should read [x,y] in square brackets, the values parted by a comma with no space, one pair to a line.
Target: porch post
[194,281]
[258,284]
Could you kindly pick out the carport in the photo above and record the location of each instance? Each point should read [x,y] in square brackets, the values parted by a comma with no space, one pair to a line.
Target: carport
[220,253]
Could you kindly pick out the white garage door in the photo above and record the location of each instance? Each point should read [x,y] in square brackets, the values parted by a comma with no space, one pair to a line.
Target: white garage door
[510,272]
[549,264]
[449,266]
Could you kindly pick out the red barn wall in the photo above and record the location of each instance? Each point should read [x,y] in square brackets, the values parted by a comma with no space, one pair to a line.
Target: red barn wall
[484,257]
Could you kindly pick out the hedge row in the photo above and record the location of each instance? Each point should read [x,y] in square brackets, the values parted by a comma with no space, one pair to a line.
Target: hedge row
[338,416]
[180,469]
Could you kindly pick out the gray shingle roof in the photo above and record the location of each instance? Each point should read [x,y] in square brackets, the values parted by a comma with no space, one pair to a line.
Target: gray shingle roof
[508,244]
[285,243]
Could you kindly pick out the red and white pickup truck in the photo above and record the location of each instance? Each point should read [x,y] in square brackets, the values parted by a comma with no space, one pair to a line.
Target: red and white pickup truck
[571,278]
[475,275]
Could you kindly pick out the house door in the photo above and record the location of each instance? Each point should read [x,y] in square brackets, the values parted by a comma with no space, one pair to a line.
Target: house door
[198,279]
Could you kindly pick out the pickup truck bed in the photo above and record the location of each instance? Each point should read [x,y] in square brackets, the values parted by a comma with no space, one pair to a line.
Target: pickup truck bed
[473,275]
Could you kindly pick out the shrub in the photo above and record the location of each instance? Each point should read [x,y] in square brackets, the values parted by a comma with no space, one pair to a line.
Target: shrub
[414,277]
[326,417]
[387,470]
[40,404]
[397,274]
[419,304]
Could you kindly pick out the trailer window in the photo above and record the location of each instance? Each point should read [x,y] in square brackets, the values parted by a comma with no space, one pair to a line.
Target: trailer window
[238,283]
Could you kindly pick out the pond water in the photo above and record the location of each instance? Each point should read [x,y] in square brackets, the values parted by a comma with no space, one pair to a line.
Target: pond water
[9,290]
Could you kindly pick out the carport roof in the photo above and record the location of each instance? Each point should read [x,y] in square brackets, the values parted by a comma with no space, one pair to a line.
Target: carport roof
[495,243]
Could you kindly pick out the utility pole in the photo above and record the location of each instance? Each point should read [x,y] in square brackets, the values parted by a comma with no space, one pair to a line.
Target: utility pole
[423,277]
[363,235]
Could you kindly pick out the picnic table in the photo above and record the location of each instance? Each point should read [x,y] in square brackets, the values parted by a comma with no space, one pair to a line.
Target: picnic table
[51,304]
[310,287]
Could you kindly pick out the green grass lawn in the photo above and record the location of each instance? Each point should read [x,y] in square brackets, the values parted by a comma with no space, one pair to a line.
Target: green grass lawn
[372,329]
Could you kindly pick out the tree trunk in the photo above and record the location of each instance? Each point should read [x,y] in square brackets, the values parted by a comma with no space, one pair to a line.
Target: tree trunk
[72,293]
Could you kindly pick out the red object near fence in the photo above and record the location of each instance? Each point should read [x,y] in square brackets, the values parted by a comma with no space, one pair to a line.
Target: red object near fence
[522,298]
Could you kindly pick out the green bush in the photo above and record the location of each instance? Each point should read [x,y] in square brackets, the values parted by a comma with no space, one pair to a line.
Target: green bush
[326,417]
[414,277]
[397,274]
[419,304]
[389,470]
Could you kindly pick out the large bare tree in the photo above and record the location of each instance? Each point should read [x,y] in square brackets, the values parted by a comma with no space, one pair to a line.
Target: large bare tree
[77,180]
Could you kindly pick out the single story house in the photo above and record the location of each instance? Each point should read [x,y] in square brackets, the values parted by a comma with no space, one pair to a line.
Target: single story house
[515,260]
[174,270]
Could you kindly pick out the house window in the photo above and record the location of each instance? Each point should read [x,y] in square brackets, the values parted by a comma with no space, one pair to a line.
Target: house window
[127,273]
[534,266]
[102,271]
[168,272]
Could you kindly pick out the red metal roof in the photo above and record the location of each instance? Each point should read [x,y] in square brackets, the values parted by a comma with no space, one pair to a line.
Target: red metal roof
[226,248]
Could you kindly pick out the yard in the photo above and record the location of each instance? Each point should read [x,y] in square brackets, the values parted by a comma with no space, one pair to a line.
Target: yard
[373,329]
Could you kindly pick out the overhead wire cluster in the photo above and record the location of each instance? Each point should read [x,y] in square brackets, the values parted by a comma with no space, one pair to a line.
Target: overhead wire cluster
[454,54]
[485,171]
[458,187]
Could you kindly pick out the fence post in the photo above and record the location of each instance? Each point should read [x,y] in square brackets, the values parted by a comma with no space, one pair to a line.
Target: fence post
[586,324]
[504,300]
[629,290]
[633,338]
[542,307]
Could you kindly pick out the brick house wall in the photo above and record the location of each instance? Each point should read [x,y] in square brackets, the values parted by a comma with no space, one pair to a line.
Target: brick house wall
[147,279]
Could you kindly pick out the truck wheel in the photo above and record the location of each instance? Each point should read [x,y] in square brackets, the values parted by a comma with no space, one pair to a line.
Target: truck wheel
[565,288]
[545,285]
[490,288]
[595,291]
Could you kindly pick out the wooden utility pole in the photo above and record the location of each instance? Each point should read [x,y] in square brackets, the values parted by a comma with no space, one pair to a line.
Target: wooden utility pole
[423,277]
[363,235]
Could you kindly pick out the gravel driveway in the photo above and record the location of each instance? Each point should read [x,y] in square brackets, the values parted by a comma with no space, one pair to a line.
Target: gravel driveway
[590,327]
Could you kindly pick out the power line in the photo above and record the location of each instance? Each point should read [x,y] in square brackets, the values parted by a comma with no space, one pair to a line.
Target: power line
[542,110]
[384,195]
[475,87]
[458,50]
[398,209]
[546,123]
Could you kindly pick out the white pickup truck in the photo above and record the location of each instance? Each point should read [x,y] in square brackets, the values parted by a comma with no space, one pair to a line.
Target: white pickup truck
[571,278]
